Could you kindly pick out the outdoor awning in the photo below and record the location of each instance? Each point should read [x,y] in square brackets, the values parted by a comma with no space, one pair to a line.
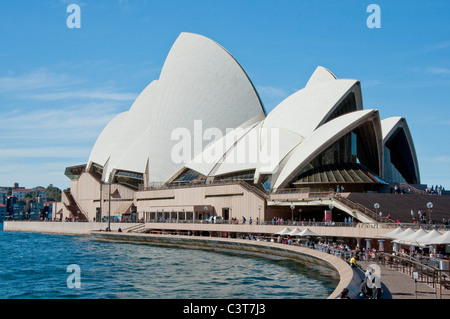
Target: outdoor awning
[404,234]
[295,232]
[394,233]
[284,231]
[412,239]
[444,239]
[307,232]
[430,238]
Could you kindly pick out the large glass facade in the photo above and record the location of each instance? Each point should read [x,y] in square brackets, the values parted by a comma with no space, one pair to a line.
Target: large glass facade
[391,173]
[399,165]
[342,151]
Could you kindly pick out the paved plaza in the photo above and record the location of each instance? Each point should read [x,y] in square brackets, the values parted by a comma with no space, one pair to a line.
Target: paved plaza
[398,285]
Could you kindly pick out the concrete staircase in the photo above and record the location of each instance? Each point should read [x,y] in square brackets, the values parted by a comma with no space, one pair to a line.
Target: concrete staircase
[71,205]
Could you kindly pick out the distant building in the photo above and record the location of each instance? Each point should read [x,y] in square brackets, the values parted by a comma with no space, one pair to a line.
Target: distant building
[3,195]
[10,201]
[20,193]
[2,212]
[48,210]
[18,211]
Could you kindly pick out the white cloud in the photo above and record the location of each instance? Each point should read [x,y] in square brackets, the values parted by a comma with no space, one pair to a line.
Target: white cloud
[45,85]
[272,92]
[73,122]
[437,70]
[85,94]
[31,173]
[37,79]
[441,159]
[44,151]
[47,105]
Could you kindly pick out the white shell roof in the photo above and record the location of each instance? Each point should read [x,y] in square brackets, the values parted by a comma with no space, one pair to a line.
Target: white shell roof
[321,74]
[388,125]
[316,142]
[199,81]
[292,133]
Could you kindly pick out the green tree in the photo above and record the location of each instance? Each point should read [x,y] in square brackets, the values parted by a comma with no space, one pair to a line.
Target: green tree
[53,193]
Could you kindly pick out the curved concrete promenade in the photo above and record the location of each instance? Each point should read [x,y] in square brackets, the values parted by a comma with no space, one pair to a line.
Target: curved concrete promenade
[347,278]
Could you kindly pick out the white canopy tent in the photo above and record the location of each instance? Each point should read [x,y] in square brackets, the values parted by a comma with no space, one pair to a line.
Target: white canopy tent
[430,238]
[404,234]
[295,232]
[285,231]
[411,239]
[394,233]
[444,239]
[307,232]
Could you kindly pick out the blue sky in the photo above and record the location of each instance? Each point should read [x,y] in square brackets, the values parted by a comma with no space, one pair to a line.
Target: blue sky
[59,87]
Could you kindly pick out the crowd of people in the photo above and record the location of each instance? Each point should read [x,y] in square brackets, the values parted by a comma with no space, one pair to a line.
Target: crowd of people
[435,190]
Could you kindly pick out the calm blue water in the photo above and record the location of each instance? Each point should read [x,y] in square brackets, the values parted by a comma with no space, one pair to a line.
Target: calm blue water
[35,266]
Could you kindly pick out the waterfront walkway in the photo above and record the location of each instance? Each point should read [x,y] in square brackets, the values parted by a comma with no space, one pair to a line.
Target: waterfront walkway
[398,285]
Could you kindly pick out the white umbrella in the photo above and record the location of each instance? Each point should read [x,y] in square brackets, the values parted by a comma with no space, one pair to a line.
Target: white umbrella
[412,238]
[444,239]
[284,231]
[295,232]
[430,238]
[393,233]
[307,232]
[404,234]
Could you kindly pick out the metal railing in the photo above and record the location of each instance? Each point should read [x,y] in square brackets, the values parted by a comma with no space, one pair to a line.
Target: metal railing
[427,269]
[361,208]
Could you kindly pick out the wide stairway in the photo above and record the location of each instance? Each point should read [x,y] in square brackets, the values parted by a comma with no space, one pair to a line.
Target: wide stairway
[72,206]
[399,206]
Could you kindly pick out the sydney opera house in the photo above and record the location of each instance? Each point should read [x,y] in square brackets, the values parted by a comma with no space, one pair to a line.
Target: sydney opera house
[197,142]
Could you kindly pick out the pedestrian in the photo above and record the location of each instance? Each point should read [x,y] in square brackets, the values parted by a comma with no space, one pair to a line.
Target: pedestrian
[344,294]
[376,286]
[364,292]
[353,262]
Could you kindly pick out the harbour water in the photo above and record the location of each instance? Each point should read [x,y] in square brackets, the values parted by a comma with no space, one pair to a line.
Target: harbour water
[34,266]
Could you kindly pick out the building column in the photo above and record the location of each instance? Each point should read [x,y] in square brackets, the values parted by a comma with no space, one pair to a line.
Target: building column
[380,244]
[368,243]
[395,247]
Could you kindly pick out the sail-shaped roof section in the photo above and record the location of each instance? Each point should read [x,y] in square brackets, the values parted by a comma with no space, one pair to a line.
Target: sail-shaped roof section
[325,136]
[200,81]
[401,154]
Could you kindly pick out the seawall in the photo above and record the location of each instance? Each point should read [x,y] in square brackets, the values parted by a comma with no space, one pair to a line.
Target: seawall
[65,228]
